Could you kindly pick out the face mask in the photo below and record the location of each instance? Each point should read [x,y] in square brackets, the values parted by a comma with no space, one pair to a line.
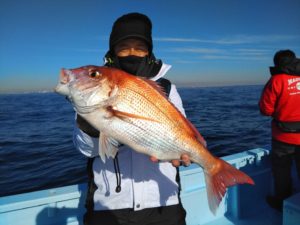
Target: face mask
[132,64]
[146,66]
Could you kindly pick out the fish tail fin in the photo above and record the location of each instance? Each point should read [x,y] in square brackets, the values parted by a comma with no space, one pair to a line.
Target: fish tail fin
[223,175]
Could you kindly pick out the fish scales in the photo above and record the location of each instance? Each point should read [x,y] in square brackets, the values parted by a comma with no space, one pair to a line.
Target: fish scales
[139,134]
[152,131]
[149,97]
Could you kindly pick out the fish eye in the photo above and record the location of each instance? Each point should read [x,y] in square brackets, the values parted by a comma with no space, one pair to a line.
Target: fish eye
[94,74]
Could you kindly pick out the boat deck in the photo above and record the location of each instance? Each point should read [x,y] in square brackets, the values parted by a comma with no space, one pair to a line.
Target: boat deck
[242,205]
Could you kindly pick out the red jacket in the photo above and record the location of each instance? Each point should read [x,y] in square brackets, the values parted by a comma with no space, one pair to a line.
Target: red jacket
[281,100]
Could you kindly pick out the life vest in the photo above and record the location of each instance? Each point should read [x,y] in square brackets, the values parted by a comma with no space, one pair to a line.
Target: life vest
[288,127]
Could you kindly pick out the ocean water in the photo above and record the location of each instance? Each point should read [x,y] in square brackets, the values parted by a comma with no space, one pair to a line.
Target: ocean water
[36,149]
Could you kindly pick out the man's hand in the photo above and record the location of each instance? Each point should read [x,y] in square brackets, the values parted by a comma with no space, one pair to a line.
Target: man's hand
[184,160]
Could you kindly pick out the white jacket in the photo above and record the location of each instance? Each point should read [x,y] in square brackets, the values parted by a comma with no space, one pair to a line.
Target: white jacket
[144,184]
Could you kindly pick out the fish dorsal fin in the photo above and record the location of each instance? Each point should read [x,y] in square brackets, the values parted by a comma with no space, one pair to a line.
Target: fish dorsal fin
[156,86]
[126,115]
[108,147]
[197,134]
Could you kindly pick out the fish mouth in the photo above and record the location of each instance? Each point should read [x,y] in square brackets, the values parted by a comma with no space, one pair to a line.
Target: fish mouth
[81,93]
[65,77]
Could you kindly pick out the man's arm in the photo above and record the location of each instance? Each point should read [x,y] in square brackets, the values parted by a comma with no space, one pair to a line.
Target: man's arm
[83,125]
[85,138]
[268,98]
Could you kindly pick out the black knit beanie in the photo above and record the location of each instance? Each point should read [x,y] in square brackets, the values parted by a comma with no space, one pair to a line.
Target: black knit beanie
[283,57]
[132,25]
[285,61]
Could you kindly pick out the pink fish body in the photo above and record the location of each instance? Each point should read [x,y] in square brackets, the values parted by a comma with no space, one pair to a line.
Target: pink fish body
[133,111]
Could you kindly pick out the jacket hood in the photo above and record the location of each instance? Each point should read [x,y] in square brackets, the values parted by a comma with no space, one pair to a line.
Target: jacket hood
[164,69]
[293,68]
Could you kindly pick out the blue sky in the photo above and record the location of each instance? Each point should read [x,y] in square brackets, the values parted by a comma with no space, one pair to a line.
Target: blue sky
[215,42]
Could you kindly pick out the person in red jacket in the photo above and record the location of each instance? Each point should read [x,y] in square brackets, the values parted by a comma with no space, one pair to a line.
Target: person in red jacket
[280,99]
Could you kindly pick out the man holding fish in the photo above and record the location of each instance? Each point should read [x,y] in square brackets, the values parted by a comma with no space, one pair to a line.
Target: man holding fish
[131,189]
[139,114]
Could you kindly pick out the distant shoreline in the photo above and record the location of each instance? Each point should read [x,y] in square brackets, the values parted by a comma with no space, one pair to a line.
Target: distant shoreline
[203,85]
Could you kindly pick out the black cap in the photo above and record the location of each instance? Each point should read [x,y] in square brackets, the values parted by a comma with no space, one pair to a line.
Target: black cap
[132,25]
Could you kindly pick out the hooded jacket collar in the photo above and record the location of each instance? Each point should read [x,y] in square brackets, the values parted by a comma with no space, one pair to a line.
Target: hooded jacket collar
[162,72]
[292,68]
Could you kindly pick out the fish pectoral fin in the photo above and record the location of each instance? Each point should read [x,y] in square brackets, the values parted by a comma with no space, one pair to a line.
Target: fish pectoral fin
[125,115]
[108,147]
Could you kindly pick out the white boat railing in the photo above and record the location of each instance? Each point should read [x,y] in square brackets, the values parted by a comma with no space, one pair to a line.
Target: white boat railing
[65,205]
